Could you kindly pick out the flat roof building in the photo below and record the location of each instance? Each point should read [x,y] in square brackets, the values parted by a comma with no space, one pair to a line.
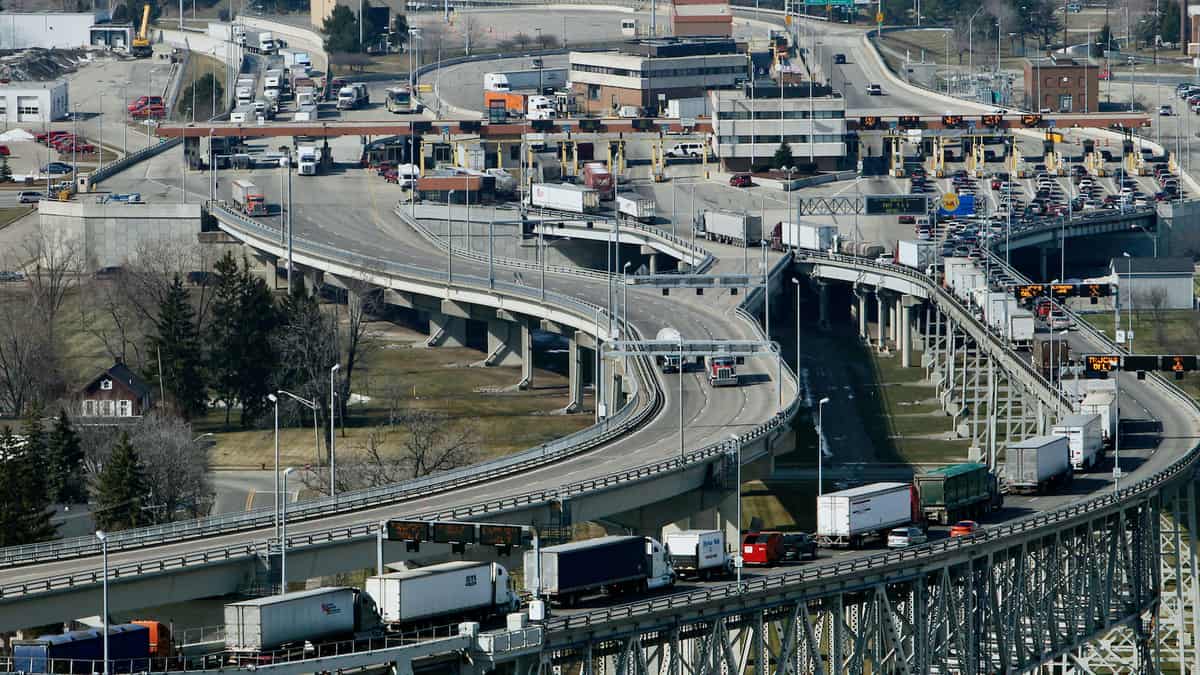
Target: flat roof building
[22,102]
[748,122]
[701,17]
[648,73]
[1061,84]
[48,30]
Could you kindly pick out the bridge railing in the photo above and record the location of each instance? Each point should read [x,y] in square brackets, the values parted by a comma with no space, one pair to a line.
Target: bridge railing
[578,441]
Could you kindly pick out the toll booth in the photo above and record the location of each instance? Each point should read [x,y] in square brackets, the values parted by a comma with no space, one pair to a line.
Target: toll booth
[391,150]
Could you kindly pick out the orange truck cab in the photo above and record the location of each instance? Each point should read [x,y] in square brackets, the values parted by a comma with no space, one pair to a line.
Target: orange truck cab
[514,103]
[160,637]
[762,548]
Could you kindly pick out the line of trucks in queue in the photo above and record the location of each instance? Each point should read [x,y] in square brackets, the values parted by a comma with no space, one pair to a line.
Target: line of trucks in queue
[720,370]
[586,200]
[523,94]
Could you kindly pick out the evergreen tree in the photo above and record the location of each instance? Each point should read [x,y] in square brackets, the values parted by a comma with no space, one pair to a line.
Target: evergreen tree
[242,358]
[121,490]
[28,465]
[783,156]
[5,171]
[341,27]
[10,520]
[64,475]
[177,345]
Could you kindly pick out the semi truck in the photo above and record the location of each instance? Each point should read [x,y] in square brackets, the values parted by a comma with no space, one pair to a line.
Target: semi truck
[353,96]
[296,59]
[613,565]
[1085,438]
[309,160]
[1032,465]
[730,227]
[848,517]
[511,104]
[536,80]
[1050,353]
[1104,404]
[701,554]
[82,651]
[457,589]
[668,363]
[564,197]
[259,42]
[248,198]
[597,176]
[803,235]
[637,208]
[722,371]
[951,493]
[276,621]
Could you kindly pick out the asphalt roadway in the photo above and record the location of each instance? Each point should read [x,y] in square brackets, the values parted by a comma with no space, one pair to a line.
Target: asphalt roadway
[344,219]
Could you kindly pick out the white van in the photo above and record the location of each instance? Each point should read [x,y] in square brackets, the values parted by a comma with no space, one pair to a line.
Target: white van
[687,150]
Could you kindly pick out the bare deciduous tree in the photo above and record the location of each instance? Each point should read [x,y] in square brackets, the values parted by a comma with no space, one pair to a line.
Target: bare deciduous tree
[54,263]
[359,339]
[28,363]
[176,467]
[1155,299]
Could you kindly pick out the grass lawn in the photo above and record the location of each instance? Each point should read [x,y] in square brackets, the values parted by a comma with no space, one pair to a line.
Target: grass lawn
[780,505]
[8,214]
[1177,332]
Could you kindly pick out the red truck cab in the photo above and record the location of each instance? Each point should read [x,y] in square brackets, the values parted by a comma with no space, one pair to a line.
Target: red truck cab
[722,371]
[762,548]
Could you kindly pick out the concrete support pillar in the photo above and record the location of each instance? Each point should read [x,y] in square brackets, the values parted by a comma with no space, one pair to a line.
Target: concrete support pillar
[1043,262]
[862,314]
[653,262]
[504,343]
[526,355]
[727,517]
[313,280]
[882,312]
[906,321]
[894,321]
[446,331]
[823,305]
[575,376]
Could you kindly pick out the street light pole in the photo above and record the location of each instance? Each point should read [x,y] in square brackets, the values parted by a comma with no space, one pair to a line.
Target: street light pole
[275,400]
[971,47]
[796,283]
[332,428]
[449,242]
[737,560]
[103,537]
[283,535]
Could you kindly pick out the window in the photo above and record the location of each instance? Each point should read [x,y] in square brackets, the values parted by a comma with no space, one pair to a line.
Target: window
[471,580]
[106,385]
[89,408]
[1064,103]
[28,108]
[3,107]
[593,92]
[125,408]
[107,408]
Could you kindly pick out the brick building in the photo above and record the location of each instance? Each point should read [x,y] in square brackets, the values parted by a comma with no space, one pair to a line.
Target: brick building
[1061,85]
[650,72]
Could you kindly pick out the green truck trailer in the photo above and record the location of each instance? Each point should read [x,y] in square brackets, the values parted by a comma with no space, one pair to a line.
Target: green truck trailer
[951,493]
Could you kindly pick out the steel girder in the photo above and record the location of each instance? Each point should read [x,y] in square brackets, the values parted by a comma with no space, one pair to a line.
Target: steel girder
[1008,606]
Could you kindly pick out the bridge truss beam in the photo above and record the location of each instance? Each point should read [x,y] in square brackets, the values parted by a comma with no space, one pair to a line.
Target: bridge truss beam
[1007,606]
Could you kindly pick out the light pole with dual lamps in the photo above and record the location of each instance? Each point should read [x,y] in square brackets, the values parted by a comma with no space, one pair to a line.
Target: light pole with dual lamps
[737,558]
[275,401]
[332,427]
[103,537]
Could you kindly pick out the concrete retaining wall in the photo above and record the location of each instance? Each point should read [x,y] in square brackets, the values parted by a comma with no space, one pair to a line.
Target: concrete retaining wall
[113,233]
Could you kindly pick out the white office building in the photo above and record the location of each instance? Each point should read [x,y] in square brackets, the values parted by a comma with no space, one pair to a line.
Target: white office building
[26,102]
[48,30]
[748,124]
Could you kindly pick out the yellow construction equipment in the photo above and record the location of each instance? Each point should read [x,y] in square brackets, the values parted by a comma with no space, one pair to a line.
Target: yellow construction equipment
[140,47]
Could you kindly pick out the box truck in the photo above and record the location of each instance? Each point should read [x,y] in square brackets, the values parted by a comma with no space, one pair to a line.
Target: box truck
[1033,464]
[259,41]
[847,517]
[248,198]
[275,621]
[564,197]
[951,493]
[1050,353]
[701,554]
[1020,326]
[917,254]
[82,651]
[296,59]
[637,208]
[536,79]
[460,588]
[731,227]
[1085,438]
[614,565]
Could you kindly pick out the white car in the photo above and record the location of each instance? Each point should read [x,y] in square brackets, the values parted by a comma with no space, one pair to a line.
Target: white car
[874,90]
[1058,320]
[903,537]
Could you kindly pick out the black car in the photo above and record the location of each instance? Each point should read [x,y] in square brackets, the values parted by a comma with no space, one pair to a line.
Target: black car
[799,545]
[839,58]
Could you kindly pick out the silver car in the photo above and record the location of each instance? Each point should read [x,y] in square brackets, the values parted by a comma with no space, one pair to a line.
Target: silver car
[903,537]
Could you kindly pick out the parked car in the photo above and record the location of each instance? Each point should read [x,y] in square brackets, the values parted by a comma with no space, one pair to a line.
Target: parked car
[29,197]
[1165,111]
[4,151]
[964,528]
[740,180]
[903,537]
[143,101]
